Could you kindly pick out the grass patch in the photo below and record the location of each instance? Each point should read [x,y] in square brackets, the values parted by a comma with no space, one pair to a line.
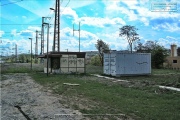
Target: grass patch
[165,71]
[169,78]
[139,99]
[102,98]
[90,69]
[20,68]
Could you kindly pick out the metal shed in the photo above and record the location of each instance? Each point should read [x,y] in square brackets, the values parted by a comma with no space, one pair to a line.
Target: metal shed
[127,64]
[64,62]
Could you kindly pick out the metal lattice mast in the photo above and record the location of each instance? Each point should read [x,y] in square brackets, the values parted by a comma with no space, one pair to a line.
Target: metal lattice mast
[36,47]
[56,42]
[42,37]
[42,34]
[79,34]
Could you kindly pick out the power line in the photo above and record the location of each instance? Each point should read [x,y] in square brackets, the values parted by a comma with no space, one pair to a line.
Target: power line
[11,3]
[20,24]
[21,32]
[65,6]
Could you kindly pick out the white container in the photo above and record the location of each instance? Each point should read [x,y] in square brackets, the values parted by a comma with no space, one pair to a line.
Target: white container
[127,64]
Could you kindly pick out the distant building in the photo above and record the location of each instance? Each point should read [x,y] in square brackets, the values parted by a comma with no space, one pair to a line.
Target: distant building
[173,61]
[178,51]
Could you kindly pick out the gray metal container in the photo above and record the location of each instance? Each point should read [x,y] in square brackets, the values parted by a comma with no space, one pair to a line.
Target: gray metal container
[127,64]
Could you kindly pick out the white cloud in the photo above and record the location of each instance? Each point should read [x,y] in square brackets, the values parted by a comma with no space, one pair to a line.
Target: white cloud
[114,41]
[166,42]
[1,33]
[114,7]
[143,14]
[69,12]
[145,21]
[24,17]
[171,38]
[14,32]
[130,3]
[70,42]
[93,21]
[144,2]
[78,4]
[100,22]
[167,27]
[34,28]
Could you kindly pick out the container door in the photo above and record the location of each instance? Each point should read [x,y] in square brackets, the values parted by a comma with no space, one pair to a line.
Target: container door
[106,64]
[113,64]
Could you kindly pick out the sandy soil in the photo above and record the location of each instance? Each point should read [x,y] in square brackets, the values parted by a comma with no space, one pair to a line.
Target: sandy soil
[36,102]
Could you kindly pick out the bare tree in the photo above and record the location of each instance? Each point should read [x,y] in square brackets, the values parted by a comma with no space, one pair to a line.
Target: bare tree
[102,47]
[129,32]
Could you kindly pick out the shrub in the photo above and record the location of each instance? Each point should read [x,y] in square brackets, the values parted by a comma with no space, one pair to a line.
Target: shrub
[95,60]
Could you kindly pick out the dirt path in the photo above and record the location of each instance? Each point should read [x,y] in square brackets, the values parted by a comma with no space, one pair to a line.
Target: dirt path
[20,90]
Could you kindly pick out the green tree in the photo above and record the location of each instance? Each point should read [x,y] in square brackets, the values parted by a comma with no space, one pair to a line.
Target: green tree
[95,60]
[130,34]
[102,48]
[22,58]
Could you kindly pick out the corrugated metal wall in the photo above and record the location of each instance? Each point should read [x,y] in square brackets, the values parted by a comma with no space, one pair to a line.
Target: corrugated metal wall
[120,64]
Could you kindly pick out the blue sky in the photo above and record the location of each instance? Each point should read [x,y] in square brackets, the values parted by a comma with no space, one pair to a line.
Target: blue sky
[100,19]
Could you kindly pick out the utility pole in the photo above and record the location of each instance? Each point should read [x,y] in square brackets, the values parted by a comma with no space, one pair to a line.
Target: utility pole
[42,37]
[47,47]
[79,34]
[31,52]
[16,52]
[56,41]
[42,34]
[36,46]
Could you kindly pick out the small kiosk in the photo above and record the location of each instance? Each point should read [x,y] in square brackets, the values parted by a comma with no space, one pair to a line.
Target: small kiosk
[64,62]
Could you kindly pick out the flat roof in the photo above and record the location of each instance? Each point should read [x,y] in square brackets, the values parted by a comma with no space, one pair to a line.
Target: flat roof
[59,54]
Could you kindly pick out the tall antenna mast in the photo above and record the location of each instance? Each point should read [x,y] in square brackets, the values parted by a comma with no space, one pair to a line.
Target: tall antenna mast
[56,42]
[79,34]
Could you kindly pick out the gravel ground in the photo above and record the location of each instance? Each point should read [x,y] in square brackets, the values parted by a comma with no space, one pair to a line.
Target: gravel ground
[36,102]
